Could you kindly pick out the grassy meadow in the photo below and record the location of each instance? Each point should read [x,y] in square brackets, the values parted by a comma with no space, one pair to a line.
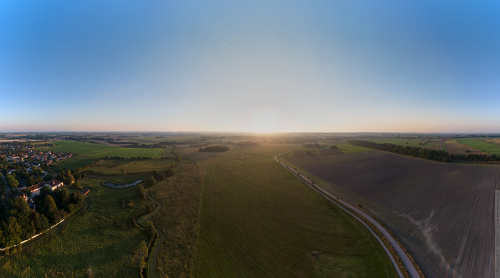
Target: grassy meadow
[119,167]
[442,212]
[88,152]
[178,218]
[100,238]
[258,220]
[481,145]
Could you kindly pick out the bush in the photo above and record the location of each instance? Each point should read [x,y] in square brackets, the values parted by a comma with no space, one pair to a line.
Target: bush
[128,204]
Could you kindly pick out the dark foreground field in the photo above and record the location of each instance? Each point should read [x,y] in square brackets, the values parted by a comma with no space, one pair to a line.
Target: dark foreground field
[442,212]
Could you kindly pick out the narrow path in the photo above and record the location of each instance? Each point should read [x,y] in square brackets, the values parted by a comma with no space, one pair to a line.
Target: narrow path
[161,237]
[344,205]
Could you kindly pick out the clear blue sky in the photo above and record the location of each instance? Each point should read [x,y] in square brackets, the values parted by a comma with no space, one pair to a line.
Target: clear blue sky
[390,66]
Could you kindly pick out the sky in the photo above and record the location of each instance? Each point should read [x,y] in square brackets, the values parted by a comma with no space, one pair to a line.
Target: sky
[259,66]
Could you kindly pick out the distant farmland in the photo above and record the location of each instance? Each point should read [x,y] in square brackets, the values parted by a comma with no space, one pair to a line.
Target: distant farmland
[490,148]
[442,212]
[88,152]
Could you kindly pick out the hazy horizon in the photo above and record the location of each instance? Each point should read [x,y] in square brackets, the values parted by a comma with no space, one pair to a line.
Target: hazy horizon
[225,66]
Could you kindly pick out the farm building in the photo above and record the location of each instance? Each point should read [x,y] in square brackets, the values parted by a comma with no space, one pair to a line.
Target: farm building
[54,184]
[35,189]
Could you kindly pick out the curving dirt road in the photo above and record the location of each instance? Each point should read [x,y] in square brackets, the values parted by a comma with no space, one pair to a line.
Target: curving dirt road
[344,205]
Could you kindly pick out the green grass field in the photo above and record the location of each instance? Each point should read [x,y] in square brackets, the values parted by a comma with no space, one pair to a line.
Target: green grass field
[481,145]
[100,238]
[258,220]
[118,167]
[88,152]
[348,148]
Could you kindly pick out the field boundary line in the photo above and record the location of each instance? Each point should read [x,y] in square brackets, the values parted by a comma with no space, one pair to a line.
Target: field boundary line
[408,264]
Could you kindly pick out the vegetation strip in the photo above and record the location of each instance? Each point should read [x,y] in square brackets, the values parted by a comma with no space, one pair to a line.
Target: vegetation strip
[437,155]
[408,267]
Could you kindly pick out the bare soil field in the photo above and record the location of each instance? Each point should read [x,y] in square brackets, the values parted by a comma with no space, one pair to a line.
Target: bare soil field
[443,213]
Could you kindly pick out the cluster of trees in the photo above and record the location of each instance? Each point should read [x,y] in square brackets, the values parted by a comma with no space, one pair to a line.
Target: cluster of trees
[214,149]
[22,174]
[159,176]
[66,176]
[430,154]
[20,222]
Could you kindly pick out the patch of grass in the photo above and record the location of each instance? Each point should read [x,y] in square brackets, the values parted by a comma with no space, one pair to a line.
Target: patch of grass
[481,145]
[178,218]
[348,148]
[100,238]
[88,152]
[257,220]
[119,167]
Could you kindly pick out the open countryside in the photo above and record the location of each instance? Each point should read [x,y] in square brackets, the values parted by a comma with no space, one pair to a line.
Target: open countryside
[209,209]
[287,139]
[427,204]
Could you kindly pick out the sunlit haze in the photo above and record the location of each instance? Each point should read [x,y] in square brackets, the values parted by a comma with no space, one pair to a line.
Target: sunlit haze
[259,66]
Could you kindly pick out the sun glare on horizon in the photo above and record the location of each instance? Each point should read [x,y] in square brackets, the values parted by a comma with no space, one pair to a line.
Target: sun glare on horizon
[264,120]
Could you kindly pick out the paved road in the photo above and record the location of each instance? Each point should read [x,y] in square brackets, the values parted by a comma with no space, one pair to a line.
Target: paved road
[334,199]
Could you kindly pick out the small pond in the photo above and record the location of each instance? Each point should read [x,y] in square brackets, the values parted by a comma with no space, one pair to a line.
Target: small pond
[112,185]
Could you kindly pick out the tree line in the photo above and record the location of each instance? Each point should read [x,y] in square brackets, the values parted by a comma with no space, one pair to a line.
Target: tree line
[430,154]
[214,149]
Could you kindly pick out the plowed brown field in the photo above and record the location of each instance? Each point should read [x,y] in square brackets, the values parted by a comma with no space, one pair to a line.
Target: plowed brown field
[443,213]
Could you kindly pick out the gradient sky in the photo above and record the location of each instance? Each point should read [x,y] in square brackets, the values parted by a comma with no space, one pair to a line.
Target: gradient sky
[329,66]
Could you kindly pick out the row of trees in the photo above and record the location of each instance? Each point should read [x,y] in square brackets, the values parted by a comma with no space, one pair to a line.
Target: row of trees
[430,154]
[214,149]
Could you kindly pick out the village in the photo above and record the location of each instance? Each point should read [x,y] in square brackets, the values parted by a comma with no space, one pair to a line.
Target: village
[24,171]
[27,154]
[33,192]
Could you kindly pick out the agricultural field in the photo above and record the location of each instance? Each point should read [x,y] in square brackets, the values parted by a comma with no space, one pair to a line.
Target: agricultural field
[88,152]
[455,147]
[121,167]
[348,148]
[101,239]
[442,212]
[411,142]
[494,140]
[258,220]
[151,139]
[481,145]
[435,144]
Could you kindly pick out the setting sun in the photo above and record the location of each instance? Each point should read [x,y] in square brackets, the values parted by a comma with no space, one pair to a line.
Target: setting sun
[264,120]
